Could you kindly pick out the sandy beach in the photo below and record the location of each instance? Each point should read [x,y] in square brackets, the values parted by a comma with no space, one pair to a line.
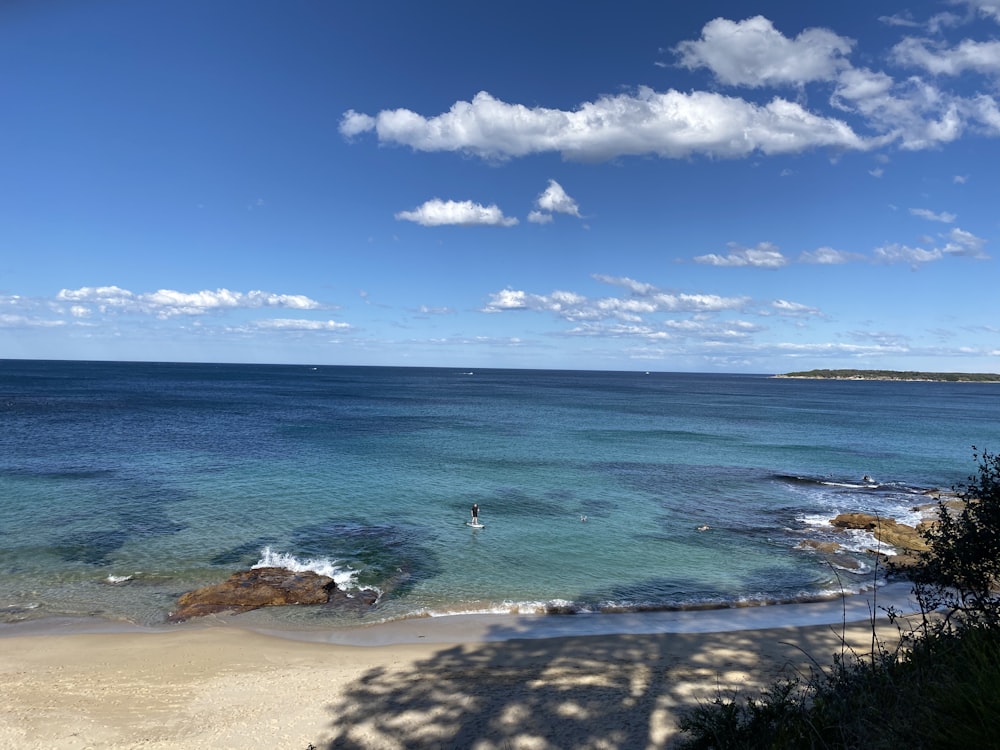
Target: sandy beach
[226,687]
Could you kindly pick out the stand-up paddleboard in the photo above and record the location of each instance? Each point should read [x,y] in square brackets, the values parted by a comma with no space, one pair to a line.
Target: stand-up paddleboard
[475,525]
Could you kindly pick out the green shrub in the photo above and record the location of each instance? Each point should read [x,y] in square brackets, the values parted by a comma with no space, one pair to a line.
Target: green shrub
[939,689]
[960,572]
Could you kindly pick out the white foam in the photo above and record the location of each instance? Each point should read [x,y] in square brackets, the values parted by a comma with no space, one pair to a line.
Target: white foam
[115,580]
[343,576]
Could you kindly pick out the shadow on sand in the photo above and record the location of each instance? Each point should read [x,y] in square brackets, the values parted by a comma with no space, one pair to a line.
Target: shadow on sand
[599,691]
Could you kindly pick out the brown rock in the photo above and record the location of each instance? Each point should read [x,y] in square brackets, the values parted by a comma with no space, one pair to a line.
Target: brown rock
[885,530]
[827,547]
[250,589]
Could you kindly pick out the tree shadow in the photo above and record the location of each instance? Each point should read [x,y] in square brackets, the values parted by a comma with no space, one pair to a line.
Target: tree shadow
[596,691]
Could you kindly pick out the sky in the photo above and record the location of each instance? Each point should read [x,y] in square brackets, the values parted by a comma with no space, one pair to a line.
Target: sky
[746,187]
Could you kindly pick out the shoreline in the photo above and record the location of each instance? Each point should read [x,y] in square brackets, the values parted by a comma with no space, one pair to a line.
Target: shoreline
[482,627]
[543,682]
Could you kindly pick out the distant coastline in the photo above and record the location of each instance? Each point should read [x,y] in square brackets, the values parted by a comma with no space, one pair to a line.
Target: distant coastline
[934,377]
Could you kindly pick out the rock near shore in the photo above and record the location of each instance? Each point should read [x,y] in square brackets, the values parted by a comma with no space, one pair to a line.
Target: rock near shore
[886,530]
[264,587]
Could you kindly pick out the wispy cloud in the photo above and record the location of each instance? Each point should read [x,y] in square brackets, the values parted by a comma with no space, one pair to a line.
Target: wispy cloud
[828,256]
[764,255]
[925,213]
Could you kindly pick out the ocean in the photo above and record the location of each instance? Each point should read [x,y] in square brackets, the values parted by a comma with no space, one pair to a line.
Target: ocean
[124,485]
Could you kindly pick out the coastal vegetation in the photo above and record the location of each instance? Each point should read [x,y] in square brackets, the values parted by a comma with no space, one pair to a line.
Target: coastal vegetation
[937,377]
[938,688]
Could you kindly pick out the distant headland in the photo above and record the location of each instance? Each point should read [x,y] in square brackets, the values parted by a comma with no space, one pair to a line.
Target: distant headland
[936,377]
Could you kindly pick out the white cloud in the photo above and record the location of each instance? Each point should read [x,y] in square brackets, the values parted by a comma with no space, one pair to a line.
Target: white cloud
[934,24]
[354,123]
[166,303]
[639,288]
[555,200]
[437,212]
[960,243]
[22,321]
[935,58]
[794,309]
[827,256]
[539,217]
[286,324]
[989,8]
[670,124]
[428,310]
[765,255]
[643,300]
[924,213]
[965,244]
[753,53]
[911,112]
[896,253]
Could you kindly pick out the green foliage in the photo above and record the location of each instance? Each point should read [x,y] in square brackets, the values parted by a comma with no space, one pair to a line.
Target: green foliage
[960,572]
[944,692]
[940,688]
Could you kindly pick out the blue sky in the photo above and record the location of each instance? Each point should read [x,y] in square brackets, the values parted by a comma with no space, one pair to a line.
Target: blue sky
[717,186]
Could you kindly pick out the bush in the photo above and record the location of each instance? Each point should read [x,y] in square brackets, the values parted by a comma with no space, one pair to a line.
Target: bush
[938,689]
[960,573]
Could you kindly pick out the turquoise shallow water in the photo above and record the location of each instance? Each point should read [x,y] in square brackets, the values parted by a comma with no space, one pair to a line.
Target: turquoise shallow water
[122,485]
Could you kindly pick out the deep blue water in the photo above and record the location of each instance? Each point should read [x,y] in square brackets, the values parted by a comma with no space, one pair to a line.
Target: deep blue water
[122,485]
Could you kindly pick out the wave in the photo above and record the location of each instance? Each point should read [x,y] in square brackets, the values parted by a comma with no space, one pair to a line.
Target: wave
[863,483]
[343,576]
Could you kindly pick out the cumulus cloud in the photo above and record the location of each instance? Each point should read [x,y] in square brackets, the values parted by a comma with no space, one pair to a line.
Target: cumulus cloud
[753,53]
[540,217]
[166,303]
[764,255]
[642,300]
[555,200]
[925,213]
[910,112]
[436,212]
[669,124]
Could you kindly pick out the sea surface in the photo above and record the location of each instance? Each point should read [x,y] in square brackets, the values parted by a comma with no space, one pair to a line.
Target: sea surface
[124,485]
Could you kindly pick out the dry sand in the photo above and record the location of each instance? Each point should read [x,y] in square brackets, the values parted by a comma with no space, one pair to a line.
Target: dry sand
[224,687]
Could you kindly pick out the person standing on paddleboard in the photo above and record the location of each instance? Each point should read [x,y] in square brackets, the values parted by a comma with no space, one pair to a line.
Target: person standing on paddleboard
[475,513]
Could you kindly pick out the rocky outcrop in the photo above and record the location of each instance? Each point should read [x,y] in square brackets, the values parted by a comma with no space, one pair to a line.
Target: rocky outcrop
[905,538]
[833,552]
[829,548]
[264,587]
